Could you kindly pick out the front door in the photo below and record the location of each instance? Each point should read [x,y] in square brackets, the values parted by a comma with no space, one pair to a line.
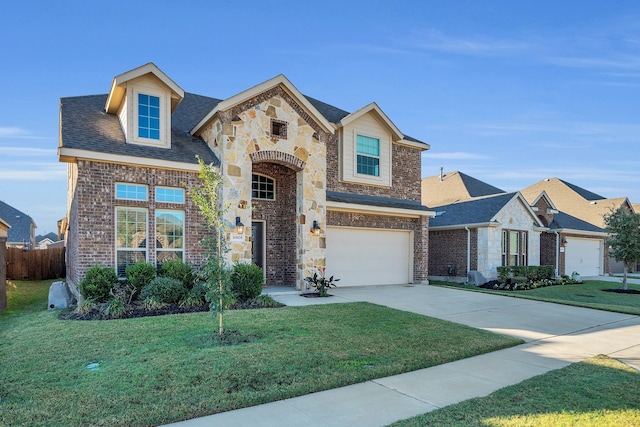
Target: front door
[257,244]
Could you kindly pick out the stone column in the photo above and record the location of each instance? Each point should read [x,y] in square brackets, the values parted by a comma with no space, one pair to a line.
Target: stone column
[3,265]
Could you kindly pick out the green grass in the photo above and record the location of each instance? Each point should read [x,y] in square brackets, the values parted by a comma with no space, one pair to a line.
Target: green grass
[597,392]
[589,294]
[157,370]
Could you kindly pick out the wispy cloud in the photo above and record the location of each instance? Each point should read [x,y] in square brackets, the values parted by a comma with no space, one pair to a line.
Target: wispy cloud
[479,45]
[27,151]
[455,155]
[12,132]
[49,173]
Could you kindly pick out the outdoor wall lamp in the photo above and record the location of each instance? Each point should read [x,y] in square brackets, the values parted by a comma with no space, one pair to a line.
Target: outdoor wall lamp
[239,226]
[564,242]
[315,229]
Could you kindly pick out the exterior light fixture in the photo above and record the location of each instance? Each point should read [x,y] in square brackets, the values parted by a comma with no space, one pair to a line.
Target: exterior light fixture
[564,242]
[239,226]
[315,229]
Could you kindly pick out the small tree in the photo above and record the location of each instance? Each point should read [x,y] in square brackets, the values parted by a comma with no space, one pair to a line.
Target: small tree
[624,238]
[217,282]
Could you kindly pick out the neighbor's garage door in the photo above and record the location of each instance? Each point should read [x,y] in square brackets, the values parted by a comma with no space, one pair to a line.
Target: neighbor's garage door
[583,256]
[364,256]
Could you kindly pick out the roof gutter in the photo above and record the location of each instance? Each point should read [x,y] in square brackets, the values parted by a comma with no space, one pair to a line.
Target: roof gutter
[379,210]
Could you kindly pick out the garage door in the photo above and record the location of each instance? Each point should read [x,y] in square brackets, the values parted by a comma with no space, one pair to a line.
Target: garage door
[583,256]
[363,256]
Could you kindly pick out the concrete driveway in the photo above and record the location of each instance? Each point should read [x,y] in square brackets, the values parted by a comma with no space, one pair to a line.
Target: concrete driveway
[555,336]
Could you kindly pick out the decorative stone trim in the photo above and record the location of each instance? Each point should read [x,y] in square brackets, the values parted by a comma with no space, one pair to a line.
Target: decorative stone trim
[278,157]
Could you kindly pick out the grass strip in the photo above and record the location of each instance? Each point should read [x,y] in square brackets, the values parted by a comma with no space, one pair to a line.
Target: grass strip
[589,294]
[598,392]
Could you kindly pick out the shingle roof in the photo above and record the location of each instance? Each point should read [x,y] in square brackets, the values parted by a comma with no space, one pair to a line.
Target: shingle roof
[335,114]
[563,220]
[86,126]
[586,194]
[51,236]
[454,187]
[573,200]
[476,211]
[20,223]
[386,202]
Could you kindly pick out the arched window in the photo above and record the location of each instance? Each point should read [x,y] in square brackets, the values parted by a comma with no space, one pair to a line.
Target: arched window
[262,187]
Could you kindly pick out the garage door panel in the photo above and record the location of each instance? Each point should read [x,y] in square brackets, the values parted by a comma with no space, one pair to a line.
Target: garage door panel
[583,256]
[360,257]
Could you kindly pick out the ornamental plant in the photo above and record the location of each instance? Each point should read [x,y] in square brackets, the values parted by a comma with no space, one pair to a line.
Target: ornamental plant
[320,282]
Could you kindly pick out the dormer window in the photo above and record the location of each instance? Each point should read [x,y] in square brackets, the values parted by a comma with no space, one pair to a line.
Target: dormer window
[368,155]
[148,116]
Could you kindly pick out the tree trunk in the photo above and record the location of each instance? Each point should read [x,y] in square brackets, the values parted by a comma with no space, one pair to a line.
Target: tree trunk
[624,277]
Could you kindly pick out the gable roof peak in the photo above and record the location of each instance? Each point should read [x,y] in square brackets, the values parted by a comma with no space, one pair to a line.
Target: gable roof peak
[118,86]
[279,80]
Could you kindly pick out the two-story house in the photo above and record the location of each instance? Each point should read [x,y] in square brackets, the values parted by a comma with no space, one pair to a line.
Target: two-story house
[313,185]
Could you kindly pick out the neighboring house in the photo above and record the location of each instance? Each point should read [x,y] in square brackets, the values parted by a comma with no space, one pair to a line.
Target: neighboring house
[44,242]
[463,234]
[454,187]
[314,185]
[582,204]
[483,234]
[570,243]
[22,233]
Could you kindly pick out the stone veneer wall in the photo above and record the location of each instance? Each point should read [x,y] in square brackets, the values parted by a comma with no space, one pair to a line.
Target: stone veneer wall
[91,235]
[447,247]
[418,225]
[280,224]
[243,131]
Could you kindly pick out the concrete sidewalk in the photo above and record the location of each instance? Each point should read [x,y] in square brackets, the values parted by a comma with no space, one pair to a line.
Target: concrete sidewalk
[555,336]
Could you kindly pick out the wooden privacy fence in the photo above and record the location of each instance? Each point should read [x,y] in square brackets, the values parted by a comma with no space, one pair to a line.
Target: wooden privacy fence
[35,264]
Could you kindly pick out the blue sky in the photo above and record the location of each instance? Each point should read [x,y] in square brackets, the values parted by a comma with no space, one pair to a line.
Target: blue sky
[509,92]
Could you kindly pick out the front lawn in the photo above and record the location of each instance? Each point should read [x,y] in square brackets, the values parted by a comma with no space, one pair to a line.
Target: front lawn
[589,294]
[597,392]
[162,369]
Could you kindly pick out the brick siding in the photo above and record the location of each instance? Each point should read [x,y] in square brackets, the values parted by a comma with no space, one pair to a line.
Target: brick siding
[449,247]
[91,233]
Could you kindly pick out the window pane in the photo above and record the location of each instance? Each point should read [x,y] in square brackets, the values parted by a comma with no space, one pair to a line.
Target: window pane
[171,195]
[367,145]
[131,191]
[368,165]
[131,237]
[148,116]
[262,187]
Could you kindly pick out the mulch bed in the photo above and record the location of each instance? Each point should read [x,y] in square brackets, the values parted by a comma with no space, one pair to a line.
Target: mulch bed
[136,310]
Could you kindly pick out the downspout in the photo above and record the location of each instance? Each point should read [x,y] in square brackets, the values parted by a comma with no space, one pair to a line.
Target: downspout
[557,252]
[468,250]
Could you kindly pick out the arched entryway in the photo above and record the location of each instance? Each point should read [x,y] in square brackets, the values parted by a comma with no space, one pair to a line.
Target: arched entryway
[273,205]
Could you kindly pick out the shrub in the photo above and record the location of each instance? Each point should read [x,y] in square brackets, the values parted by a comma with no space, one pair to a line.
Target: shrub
[164,290]
[246,281]
[97,283]
[179,270]
[196,296]
[114,308]
[140,275]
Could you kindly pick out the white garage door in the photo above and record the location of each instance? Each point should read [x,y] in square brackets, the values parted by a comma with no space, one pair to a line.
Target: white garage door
[364,256]
[583,256]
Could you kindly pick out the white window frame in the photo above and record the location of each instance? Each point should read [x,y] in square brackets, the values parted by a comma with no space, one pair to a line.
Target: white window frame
[172,189]
[184,236]
[132,184]
[264,176]
[162,141]
[378,157]
[118,249]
